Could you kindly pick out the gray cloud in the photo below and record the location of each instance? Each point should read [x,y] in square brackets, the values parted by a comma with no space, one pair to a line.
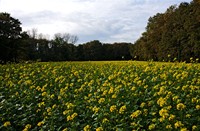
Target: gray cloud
[104,20]
[41,17]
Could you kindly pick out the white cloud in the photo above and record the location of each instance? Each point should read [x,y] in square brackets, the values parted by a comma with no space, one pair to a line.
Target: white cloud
[105,20]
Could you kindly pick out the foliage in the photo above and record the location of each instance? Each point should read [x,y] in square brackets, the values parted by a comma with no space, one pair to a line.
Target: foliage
[174,32]
[126,95]
[10,34]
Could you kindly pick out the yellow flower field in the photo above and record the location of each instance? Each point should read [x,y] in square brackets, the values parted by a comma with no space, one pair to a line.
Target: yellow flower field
[121,96]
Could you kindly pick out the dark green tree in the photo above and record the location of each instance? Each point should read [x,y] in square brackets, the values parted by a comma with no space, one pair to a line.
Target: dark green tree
[175,32]
[121,51]
[63,47]
[93,50]
[10,34]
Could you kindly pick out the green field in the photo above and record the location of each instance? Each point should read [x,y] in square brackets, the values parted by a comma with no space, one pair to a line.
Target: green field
[122,96]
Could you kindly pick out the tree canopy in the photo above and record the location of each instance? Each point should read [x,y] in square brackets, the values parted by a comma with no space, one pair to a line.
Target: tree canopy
[10,33]
[172,34]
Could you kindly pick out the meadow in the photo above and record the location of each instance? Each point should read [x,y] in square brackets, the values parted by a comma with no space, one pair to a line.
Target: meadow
[101,96]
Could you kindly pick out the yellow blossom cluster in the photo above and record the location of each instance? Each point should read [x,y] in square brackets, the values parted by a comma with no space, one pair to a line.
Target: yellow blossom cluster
[136,114]
[180,106]
[115,95]
[113,108]
[71,117]
[122,109]
[27,127]
[7,123]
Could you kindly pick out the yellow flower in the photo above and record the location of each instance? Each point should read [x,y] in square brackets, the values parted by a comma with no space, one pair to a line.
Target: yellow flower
[56,80]
[49,109]
[194,100]
[41,104]
[87,128]
[194,127]
[122,109]
[71,117]
[178,124]
[152,126]
[52,96]
[142,104]
[188,116]
[38,110]
[133,88]
[171,117]
[134,124]
[49,113]
[7,123]
[17,93]
[113,108]
[169,107]
[136,114]
[59,97]
[28,126]
[175,98]
[99,129]
[25,129]
[145,112]
[28,82]
[180,106]
[105,120]
[19,82]
[74,115]
[95,109]
[161,119]
[101,100]
[168,126]
[68,118]
[38,88]
[65,129]
[104,92]
[184,129]
[69,105]
[43,88]
[44,93]
[40,123]
[114,96]
[161,102]
[164,113]
[54,106]
[111,90]
[198,107]
[153,120]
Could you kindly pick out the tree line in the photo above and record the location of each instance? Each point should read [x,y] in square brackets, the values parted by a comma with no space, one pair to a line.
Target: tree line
[63,48]
[16,46]
[172,34]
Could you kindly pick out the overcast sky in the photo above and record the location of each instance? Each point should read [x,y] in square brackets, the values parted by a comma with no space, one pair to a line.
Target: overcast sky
[105,20]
